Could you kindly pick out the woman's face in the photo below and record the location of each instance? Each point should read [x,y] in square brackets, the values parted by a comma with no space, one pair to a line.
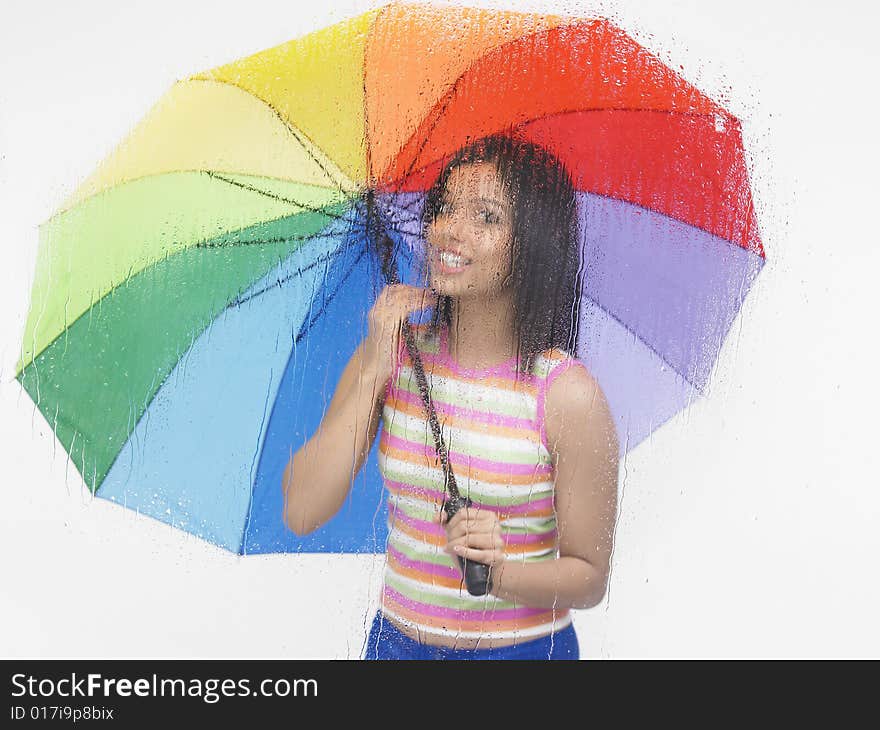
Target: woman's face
[469,243]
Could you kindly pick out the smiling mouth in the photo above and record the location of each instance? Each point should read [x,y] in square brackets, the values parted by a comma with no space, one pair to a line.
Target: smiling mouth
[452,260]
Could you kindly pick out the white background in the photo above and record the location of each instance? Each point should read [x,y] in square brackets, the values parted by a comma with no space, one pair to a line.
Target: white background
[748,525]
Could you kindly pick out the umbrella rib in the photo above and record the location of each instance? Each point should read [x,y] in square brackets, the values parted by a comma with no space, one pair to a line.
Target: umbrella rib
[647,344]
[315,209]
[262,241]
[306,327]
[161,173]
[565,112]
[297,133]
[562,112]
[267,194]
[293,237]
[299,272]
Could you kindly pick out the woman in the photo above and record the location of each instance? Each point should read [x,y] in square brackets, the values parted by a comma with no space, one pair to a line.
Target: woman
[528,430]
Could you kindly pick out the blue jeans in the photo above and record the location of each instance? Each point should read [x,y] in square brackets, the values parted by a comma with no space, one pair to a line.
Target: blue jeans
[386,641]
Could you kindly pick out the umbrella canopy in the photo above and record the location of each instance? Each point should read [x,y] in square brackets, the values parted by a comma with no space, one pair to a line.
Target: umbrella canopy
[196,299]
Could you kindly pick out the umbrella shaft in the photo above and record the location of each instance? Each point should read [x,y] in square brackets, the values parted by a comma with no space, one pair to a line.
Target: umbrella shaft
[385,250]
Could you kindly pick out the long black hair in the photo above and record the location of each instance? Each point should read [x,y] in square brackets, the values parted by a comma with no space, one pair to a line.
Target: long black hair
[546,271]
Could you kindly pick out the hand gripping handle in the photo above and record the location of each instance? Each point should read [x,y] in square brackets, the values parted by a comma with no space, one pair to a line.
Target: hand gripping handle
[476,575]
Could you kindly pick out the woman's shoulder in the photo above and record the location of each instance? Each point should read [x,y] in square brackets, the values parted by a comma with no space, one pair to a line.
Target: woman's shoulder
[551,363]
[568,382]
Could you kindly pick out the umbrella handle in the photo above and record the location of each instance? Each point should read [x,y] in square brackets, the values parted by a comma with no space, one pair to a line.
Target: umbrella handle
[476,575]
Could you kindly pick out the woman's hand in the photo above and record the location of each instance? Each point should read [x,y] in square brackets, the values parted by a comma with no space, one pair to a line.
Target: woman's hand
[392,306]
[475,534]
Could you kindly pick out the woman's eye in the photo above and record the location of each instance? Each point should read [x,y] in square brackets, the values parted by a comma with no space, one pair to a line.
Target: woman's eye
[489,217]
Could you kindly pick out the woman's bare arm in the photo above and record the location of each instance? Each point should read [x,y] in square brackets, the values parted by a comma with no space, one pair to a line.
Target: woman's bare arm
[318,477]
[584,445]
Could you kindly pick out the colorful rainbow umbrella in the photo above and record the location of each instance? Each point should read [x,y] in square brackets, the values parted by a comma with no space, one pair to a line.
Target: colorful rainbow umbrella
[196,299]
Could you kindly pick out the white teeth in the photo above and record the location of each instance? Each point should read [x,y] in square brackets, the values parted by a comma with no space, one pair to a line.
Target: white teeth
[453,260]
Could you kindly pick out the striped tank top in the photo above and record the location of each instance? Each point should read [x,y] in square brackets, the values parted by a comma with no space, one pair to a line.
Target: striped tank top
[493,428]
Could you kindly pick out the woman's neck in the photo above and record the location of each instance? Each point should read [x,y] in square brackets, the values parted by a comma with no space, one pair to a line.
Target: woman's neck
[480,333]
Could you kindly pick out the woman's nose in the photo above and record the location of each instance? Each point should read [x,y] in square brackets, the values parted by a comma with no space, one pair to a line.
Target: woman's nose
[454,229]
